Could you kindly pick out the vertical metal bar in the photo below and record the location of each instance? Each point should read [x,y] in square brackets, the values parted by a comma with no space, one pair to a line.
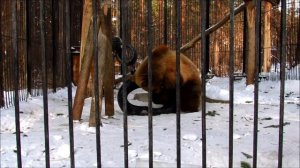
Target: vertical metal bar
[2,102]
[44,74]
[231,79]
[259,41]
[178,43]
[29,45]
[283,40]
[54,42]
[96,81]
[165,21]
[69,75]
[16,81]
[257,53]
[203,78]
[123,27]
[149,52]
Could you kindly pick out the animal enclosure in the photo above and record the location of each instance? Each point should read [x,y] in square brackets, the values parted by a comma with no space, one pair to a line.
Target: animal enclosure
[39,40]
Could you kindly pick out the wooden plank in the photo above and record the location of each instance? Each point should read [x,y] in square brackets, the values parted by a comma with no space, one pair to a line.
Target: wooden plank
[109,71]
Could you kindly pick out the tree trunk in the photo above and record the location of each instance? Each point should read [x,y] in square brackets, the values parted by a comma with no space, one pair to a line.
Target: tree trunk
[250,7]
[267,37]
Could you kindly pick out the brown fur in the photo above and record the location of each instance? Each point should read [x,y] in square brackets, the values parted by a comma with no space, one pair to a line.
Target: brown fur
[164,79]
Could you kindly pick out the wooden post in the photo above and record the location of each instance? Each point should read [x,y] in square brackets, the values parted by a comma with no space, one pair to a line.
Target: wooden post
[86,55]
[109,71]
[250,8]
[267,36]
[86,23]
[105,62]
[216,59]
[102,52]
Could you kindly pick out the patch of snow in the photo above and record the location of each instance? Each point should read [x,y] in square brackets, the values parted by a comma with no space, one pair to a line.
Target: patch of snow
[164,131]
[191,137]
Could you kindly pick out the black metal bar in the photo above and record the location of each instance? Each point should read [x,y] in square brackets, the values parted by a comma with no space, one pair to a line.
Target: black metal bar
[22,16]
[203,78]
[54,42]
[96,81]
[29,46]
[149,52]
[283,41]
[69,84]
[16,81]
[165,21]
[178,44]
[2,102]
[256,78]
[259,43]
[44,75]
[123,22]
[231,87]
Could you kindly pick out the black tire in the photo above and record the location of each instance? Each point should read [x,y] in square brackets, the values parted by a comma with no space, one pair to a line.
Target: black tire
[131,55]
[139,110]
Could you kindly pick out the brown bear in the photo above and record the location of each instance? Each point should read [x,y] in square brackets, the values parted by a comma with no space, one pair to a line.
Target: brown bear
[164,79]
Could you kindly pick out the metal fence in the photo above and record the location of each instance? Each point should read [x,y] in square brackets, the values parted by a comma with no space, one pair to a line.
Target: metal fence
[204,6]
[29,46]
[28,37]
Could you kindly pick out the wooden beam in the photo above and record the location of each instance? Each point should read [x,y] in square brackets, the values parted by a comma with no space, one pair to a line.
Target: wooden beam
[213,28]
[102,52]
[109,66]
[87,56]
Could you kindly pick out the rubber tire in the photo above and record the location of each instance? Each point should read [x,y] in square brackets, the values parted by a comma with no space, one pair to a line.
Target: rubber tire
[132,55]
[139,110]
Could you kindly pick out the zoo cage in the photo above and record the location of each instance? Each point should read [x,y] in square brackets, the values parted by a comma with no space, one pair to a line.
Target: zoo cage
[36,40]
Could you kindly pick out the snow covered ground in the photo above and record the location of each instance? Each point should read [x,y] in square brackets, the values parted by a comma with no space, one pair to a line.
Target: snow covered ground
[164,130]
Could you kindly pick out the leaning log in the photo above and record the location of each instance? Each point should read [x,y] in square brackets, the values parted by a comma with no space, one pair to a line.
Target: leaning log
[84,75]
[213,28]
